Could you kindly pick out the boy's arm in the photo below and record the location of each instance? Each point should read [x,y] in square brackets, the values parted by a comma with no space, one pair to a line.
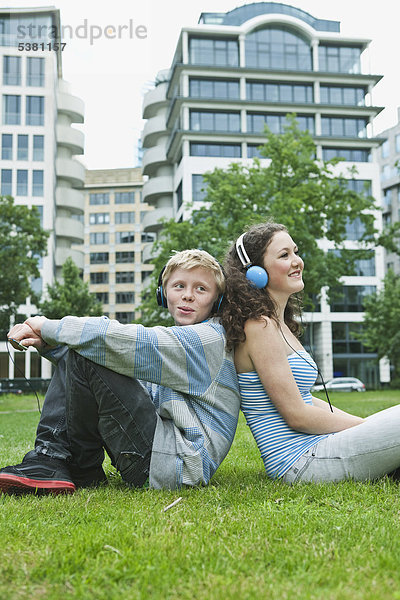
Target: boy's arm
[186,359]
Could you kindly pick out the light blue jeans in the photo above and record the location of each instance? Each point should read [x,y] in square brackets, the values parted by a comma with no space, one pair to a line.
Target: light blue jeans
[361,453]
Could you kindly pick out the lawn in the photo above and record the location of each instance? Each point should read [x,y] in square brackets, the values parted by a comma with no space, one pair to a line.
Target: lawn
[242,537]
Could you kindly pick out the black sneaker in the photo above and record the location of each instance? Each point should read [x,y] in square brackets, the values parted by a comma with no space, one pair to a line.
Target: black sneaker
[37,475]
[84,478]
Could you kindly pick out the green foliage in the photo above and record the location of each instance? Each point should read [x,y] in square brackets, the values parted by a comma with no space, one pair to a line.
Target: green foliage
[22,243]
[70,297]
[381,331]
[295,189]
[243,537]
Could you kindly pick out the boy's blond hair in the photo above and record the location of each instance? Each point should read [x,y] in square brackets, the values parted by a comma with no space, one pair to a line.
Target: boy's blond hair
[190,259]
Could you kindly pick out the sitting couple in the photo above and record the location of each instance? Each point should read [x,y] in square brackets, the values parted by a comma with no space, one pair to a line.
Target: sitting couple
[164,401]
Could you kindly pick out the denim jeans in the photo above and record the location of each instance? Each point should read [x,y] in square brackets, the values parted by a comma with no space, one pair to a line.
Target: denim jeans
[105,410]
[366,451]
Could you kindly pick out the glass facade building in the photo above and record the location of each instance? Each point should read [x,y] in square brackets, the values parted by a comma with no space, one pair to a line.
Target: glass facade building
[38,149]
[236,71]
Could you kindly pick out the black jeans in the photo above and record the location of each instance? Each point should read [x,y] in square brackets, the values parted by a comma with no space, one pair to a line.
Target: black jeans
[105,410]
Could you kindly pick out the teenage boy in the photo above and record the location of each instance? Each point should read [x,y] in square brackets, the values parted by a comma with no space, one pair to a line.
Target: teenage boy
[175,429]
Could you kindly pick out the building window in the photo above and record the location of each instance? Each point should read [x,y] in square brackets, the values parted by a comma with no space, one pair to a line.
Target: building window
[98,258]
[385,149]
[100,237]
[277,48]
[124,237]
[102,297]
[219,52]
[397,143]
[125,317]
[124,197]
[260,91]
[221,150]
[351,298]
[340,127]
[355,229]
[99,198]
[11,70]
[254,150]
[339,59]
[348,154]
[34,110]
[148,237]
[276,123]
[6,146]
[179,196]
[11,110]
[124,217]
[35,72]
[344,338]
[38,148]
[363,267]
[124,277]
[96,278]
[214,88]
[214,121]
[6,182]
[354,96]
[125,257]
[199,188]
[361,186]
[125,297]
[22,151]
[22,182]
[99,218]
[37,183]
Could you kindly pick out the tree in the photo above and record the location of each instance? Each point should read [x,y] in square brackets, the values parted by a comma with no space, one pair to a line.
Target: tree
[22,243]
[381,331]
[296,189]
[70,297]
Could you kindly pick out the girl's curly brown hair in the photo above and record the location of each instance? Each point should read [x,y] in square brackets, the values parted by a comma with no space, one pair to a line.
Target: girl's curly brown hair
[243,300]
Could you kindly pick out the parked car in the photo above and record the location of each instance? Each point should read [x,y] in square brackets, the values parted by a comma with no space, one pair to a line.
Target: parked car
[341,384]
[9,389]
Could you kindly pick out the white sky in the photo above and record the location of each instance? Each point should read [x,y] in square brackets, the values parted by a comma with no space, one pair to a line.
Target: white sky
[111,75]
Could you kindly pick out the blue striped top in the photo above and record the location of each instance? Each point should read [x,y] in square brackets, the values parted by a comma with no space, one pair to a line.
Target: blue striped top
[280,446]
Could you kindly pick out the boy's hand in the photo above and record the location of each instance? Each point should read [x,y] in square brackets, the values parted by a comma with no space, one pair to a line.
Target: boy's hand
[29,332]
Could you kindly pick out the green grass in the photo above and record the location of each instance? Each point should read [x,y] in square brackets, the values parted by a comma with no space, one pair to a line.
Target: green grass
[242,537]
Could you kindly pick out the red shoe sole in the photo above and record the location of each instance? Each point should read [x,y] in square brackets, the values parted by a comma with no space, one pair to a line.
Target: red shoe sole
[12,484]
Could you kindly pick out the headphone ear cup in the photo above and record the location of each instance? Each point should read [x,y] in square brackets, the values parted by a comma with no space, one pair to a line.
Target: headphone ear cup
[257,276]
[161,299]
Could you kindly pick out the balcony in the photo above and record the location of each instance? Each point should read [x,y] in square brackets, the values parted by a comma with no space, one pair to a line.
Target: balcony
[70,229]
[71,138]
[153,158]
[147,253]
[153,128]
[71,105]
[63,253]
[152,218]
[71,170]
[154,99]
[69,198]
[156,187]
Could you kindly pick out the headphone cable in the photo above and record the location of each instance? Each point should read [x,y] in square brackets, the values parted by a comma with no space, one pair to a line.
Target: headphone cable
[23,375]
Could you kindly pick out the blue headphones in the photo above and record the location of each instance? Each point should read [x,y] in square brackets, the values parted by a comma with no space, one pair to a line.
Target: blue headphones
[257,276]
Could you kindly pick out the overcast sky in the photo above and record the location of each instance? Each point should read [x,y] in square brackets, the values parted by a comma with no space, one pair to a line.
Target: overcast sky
[112,74]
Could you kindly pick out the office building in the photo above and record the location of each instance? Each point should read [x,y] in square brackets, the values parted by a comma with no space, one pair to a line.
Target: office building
[232,73]
[389,159]
[115,240]
[38,145]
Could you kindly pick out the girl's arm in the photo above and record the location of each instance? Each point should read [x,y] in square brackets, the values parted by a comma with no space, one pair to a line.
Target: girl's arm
[267,352]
